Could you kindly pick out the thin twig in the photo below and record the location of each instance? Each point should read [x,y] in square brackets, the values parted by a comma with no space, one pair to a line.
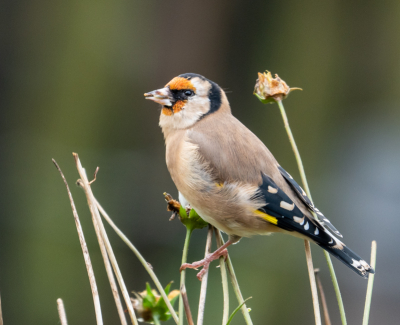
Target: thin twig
[84,183]
[204,281]
[323,299]
[110,274]
[236,289]
[186,305]
[141,259]
[61,312]
[1,314]
[183,273]
[225,288]
[370,285]
[314,292]
[89,268]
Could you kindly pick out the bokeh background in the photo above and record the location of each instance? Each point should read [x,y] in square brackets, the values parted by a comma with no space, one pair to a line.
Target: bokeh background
[72,78]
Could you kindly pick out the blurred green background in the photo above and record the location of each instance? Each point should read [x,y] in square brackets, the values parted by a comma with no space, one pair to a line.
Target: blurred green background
[72,78]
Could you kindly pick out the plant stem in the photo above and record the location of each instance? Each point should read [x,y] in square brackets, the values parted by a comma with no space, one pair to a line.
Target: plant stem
[204,281]
[307,189]
[236,288]
[97,221]
[225,288]
[61,312]
[86,256]
[323,299]
[370,285]
[186,305]
[141,259]
[183,272]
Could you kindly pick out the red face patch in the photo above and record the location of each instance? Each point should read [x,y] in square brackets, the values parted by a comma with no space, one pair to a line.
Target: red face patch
[179,83]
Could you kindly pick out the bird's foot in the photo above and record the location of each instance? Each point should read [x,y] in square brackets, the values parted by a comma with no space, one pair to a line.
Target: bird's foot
[172,205]
[205,263]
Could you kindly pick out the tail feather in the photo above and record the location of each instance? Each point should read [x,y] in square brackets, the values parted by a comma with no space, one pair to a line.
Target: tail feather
[348,258]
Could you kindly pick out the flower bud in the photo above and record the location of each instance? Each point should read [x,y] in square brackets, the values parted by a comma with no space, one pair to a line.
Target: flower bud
[269,90]
[151,307]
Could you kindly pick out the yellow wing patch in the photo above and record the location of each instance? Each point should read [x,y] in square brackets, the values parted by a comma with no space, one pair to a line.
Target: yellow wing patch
[219,185]
[267,217]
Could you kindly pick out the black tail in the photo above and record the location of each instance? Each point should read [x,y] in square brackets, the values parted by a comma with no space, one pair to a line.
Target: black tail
[282,212]
[348,257]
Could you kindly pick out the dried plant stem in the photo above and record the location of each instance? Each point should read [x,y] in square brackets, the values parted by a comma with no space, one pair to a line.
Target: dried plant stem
[370,285]
[313,284]
[110,275]
[236,287]
[88,263]
[1,314]
[61,312]
[323,299]
[183,273]
[328,258]
[204,281]
[186,305]
[224,277]
[84,183]
[141,259]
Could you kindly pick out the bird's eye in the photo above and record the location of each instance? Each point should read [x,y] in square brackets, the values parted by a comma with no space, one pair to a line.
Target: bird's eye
[189,93]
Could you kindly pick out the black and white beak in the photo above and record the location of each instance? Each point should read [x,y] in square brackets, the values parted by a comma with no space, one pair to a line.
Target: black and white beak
[162,96]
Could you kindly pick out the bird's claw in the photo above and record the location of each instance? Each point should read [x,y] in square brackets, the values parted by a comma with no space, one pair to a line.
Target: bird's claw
[205,263]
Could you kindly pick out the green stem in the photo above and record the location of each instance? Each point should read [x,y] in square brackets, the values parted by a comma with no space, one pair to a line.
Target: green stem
[236,288]
[156,321]
[370,285]
[307,189]
[183,272]
[224,277]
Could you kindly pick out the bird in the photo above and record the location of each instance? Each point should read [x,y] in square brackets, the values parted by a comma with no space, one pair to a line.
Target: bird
[226,173]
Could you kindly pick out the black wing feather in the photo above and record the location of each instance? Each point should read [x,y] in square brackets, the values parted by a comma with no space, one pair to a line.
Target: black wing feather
[303,196]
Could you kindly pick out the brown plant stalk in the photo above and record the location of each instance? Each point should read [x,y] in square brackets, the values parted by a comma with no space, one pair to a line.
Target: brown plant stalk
[88,263]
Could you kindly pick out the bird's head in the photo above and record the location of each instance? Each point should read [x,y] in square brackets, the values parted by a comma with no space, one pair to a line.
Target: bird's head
[187,99]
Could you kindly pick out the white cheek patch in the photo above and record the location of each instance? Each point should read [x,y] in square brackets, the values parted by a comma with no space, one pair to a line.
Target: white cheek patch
[195,107]
[202,87]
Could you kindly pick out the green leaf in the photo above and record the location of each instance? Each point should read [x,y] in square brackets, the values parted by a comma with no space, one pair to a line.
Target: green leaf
[166,290]
[236,310]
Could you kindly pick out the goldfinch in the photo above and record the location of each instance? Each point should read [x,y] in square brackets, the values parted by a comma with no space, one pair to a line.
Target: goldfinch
[232,180]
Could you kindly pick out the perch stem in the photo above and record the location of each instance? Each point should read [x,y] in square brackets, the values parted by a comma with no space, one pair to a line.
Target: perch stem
[236,287]
[224,277]
[183,273]
[204,281]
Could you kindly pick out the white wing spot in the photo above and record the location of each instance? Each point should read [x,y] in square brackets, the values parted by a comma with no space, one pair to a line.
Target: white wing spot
[306,226]
[316,232]
[272,190]
[331,242]
[287,206]
[299,220]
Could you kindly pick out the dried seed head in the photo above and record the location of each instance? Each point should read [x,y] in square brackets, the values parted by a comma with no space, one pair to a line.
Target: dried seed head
[270,89]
